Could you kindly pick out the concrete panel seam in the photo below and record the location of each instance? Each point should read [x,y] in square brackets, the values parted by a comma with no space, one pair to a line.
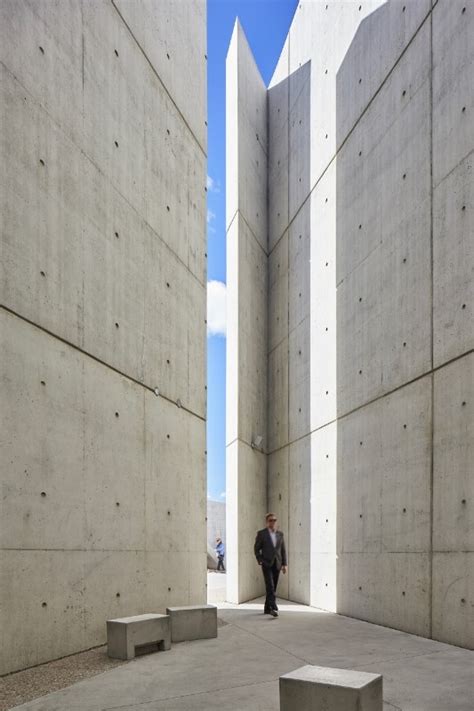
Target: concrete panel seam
[101,362]
[338,150]
[103,175]
[431,492]
[158,77]
[468,156]
[374,400]
[239,213]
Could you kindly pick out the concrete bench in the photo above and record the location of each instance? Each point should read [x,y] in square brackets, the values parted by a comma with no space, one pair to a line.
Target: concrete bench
[193,622]
[126,635]
[318,688]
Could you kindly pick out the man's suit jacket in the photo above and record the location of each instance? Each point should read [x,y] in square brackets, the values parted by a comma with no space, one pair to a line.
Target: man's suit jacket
[268,554]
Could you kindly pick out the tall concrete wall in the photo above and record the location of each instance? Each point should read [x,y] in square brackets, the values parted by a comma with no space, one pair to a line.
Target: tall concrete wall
[246,208]
[370,324]
[103,301]
[215,522]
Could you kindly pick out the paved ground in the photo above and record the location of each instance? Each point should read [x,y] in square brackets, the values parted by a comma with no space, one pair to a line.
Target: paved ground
[216,587]
[240,669]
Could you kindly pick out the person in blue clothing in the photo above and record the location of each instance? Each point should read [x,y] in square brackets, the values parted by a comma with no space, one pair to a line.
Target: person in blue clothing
[220,550]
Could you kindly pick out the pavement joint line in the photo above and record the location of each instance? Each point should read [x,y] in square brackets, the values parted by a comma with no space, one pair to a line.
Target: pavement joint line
[196,693]
[272,644]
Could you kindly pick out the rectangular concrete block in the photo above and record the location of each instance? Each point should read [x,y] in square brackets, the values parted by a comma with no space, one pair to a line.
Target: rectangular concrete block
[125,634]
[310,687]
[192,622]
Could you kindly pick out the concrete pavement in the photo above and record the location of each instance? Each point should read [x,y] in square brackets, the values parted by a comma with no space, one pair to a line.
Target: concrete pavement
[240,669]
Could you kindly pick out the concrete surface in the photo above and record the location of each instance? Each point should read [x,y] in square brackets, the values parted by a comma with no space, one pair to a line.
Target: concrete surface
[126,634]
[102,301]
[215,522]
[216,587]
[192,622]
[240,668]
[246,223]
[370,334]
[312,687]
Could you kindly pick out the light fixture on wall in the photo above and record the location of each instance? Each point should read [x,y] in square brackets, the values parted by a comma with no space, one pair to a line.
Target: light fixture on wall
[257,442]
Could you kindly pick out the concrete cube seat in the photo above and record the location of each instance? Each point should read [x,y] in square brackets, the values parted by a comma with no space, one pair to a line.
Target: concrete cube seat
[193,622]
[318,688]
[126,634]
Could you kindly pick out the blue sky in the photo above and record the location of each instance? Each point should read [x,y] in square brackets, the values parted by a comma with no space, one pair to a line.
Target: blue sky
[266,24]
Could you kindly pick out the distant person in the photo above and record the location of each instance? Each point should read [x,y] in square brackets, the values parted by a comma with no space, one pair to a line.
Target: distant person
[220,551]
[270,552]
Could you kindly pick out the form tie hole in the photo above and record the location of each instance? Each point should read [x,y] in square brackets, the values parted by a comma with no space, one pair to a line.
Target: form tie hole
[116,144]
[44,604]
[41,50]
[42,161]
[43,494]
[117,235]
[116,53]
[43,382]
[463,306]
[117,503]
[116,325]
[117,414]
[117,594]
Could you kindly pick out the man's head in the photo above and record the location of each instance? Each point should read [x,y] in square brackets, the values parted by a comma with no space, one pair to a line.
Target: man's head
[271,521]
[218,540]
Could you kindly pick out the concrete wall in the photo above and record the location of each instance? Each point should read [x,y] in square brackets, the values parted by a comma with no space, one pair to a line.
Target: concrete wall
[103,300]
[216,518]
[370,324]
[246,208]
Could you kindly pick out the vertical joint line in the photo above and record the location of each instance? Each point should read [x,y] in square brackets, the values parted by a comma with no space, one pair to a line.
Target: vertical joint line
[432,334]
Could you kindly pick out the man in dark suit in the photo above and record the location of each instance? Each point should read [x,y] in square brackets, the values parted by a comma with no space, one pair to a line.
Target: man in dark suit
[270,552]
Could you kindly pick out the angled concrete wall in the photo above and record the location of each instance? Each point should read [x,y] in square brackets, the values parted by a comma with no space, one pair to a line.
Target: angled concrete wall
[103,300]
[370,326]
[246,136]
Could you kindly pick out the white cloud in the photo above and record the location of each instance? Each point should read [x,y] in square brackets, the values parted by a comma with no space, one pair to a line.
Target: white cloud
[223,495]
[212,185]
[216,308]
[210,216]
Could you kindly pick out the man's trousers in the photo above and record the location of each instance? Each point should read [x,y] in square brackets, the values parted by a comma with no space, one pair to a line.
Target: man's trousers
[270,575]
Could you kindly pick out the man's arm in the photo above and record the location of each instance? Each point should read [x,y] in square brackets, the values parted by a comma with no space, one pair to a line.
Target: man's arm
[284,561]
[258,548]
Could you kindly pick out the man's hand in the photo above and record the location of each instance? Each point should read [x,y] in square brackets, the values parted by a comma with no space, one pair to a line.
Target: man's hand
[284,568]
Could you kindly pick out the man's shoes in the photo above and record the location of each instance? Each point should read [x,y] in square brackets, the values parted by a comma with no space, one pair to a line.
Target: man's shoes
[276,607]
[273,613]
